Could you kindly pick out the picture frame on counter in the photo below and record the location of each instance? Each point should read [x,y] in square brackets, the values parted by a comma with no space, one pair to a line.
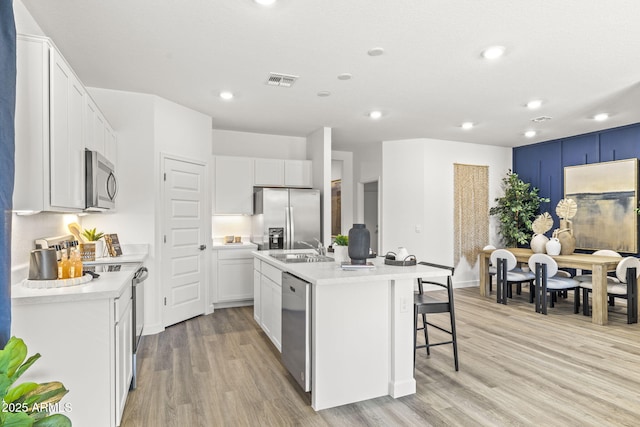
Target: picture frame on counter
[113,245]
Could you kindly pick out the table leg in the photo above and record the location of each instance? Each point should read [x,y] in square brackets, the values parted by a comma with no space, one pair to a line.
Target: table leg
[484,274]
[599,313]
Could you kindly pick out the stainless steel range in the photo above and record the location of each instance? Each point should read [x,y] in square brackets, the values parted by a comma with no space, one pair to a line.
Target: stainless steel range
[137,295]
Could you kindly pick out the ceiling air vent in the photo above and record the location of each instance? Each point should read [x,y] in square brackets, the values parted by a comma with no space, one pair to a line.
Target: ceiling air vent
[278,79]
[540,119]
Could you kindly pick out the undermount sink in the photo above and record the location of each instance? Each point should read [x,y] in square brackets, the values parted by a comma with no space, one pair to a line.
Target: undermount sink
[301,257]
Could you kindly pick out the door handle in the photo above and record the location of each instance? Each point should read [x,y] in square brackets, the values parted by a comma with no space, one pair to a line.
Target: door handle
[202,247]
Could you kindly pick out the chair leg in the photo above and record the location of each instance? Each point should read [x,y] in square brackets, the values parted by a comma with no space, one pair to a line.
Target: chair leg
[576,300]
[426,335]
[415,334]
[453,335]
[585,302]
[632,296]
[519,289]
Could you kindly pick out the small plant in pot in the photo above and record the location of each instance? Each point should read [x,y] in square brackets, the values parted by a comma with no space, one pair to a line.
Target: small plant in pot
[94,236]
[341,248]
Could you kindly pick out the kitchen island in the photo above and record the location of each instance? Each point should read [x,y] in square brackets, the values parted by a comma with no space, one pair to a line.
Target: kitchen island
[361,327]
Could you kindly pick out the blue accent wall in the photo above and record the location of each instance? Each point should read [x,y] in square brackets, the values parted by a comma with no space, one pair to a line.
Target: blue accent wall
[7,150]
[542,164]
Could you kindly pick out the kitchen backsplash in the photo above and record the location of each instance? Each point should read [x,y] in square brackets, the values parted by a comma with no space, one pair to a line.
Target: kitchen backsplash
[26,229]
[231,225]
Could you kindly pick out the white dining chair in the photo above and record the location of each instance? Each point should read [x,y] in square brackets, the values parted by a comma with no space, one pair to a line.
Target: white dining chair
[627,273]
[548,282]
[508,273]
[589,277]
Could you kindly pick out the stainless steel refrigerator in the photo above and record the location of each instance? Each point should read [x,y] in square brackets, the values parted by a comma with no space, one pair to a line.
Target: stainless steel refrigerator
[286,218]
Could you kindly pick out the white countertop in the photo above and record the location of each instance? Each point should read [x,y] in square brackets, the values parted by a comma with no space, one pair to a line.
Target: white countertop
[329,273]
[108,285]
[230,246]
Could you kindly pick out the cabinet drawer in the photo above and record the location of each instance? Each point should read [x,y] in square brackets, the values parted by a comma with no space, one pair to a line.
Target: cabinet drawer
[272,273]
[121,303]
[235,254]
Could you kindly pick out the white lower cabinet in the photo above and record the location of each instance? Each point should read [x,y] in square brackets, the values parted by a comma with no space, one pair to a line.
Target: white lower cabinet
[268,284]
[232,277]
[124,351]
[86,345]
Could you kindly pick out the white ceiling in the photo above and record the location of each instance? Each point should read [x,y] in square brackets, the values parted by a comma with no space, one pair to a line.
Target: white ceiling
[581,57]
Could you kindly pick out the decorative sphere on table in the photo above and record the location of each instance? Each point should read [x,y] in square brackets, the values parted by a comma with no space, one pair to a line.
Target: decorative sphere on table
[359,244]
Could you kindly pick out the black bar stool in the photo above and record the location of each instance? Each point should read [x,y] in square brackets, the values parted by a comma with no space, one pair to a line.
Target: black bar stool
[424,304]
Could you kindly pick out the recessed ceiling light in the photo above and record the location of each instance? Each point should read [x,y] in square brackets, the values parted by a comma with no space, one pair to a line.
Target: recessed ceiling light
[344,76]
[601,117]
[534,104]
[375,115]
[493,52]
[265,2]
[226,95]
[324,93]
[530,133]
[467,125]
[376,51]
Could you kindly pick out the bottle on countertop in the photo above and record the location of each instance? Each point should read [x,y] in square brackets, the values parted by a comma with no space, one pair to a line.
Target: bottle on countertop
[64,266]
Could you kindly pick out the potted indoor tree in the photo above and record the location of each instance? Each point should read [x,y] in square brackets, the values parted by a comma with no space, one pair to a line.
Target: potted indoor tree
[516,210]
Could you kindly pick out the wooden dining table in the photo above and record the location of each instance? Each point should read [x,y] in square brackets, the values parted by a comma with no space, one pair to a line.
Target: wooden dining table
[599,266]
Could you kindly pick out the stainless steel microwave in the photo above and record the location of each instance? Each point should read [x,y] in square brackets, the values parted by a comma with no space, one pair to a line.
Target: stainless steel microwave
[101,186]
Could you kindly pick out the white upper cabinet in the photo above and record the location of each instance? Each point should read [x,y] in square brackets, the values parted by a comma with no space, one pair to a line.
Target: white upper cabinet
[269,172]
[233,185]
[110,145]
[297,173]
[55,120]
[66,143]
[94,126]
[99,136]
[282,173]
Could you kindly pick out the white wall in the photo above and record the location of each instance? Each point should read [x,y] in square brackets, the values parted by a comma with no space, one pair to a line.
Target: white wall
[417,193]
[25,24]
[343,160]
[319,152]
[247,144]
[147,126]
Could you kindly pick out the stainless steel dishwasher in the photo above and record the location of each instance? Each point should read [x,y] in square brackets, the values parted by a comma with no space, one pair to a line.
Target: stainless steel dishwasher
[296,329]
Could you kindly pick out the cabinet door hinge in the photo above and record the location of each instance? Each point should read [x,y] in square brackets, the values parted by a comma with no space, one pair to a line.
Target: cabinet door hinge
[165,238]
[165,300]
[165,176]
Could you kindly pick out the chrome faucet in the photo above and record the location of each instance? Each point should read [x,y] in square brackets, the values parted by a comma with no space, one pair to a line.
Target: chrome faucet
[320,250]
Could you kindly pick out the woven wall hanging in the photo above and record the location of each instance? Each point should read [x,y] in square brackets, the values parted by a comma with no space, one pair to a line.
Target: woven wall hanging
[471,211]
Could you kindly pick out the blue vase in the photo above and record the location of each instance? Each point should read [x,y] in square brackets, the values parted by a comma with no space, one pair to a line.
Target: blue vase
[359,244]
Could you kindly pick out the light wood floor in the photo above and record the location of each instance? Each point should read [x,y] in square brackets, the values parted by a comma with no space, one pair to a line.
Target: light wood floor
[517,368]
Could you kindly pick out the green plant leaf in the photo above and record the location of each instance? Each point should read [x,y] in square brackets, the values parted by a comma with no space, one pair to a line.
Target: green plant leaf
[26,365]
[12,356]
[19,391]
[92,235]
[55,420]
[341,240]
[17,419]
[46,393]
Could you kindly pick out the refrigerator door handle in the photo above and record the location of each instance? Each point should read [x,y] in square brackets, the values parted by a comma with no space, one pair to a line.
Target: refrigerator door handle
[287,232]
[292,230]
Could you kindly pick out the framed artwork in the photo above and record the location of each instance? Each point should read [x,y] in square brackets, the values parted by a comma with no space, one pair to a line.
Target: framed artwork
[607,196]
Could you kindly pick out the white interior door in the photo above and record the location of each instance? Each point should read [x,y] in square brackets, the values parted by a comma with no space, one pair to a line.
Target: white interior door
[185,241]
